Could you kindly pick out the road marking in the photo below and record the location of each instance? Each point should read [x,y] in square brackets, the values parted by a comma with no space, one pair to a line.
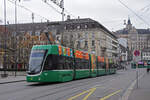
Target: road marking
[128,91]
[85,98]
[108,96]
[92,90]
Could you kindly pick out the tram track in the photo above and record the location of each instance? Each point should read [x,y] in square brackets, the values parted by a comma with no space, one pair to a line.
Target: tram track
[15,90]
[62,91]
[85,84]
[72,87]
[44,90]
[77,82]
[12,82]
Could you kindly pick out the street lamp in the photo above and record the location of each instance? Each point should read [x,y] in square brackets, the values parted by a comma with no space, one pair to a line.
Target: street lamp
[60,4]
[14,37]
[5,75]
[16,33]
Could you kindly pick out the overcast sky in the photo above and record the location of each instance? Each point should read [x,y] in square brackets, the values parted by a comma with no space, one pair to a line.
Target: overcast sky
[110,13]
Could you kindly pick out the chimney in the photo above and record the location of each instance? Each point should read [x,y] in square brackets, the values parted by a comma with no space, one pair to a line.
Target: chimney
[68,17]
[78,17]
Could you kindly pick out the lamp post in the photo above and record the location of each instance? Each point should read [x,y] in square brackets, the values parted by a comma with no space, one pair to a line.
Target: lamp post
[5,33]
[14,35]
[16,13]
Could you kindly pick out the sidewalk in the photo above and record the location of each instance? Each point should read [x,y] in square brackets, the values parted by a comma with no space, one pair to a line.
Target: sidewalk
[143,91]
[12,79]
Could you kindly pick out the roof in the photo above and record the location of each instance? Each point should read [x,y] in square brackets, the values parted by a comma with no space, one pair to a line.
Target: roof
[129,22]
[84,20]
[143,31]
[123,31]
[140,31]
[41,26]
[146,50]
[89,20]
[2,28]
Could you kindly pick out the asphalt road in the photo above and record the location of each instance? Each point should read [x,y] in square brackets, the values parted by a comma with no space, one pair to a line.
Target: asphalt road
[112,87]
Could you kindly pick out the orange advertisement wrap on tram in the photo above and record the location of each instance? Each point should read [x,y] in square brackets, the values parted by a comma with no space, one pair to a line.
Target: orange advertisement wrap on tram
[100,59]
[93,62]
[60,50]
[107,63]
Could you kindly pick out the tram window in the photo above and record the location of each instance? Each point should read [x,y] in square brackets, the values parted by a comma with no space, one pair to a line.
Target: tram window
[61,62]
[64,62]
[82,64]
[100,64]
[103,65]
[48,63]
[55,62]
[78,64]
[110,65]
[86,64]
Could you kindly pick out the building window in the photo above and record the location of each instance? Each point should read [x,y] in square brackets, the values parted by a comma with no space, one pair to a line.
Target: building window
[93,43]
[79,36]
[65,27]
[86,43]
[72,27]
[78,27]
[30,32]
[86,26]
[93,26]
[86,35]
[71,36]
[93,35]
[78,44]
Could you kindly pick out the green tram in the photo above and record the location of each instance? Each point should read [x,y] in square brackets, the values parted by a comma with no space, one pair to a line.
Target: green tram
[55,63]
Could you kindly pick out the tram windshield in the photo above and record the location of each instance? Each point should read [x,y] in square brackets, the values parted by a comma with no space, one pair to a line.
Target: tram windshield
[35,62]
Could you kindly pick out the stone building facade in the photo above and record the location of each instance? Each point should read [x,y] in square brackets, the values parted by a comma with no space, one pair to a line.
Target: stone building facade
[5,47]
[90,36]
[137,39]
[84,34]
[146,54]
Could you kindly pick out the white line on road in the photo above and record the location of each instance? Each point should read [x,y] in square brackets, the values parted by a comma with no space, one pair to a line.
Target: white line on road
[128,91]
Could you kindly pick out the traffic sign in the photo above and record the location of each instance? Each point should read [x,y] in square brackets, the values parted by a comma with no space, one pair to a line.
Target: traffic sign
[136,53]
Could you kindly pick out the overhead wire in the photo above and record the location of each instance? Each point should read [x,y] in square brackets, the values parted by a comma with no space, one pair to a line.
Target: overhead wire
[51,6]
[69,13]
[112,21]
[134,12]
[145,7]
[58,10]
[143,11]
[27,9]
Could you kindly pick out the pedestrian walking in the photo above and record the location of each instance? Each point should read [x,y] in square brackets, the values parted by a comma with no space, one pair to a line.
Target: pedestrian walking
[148,70]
